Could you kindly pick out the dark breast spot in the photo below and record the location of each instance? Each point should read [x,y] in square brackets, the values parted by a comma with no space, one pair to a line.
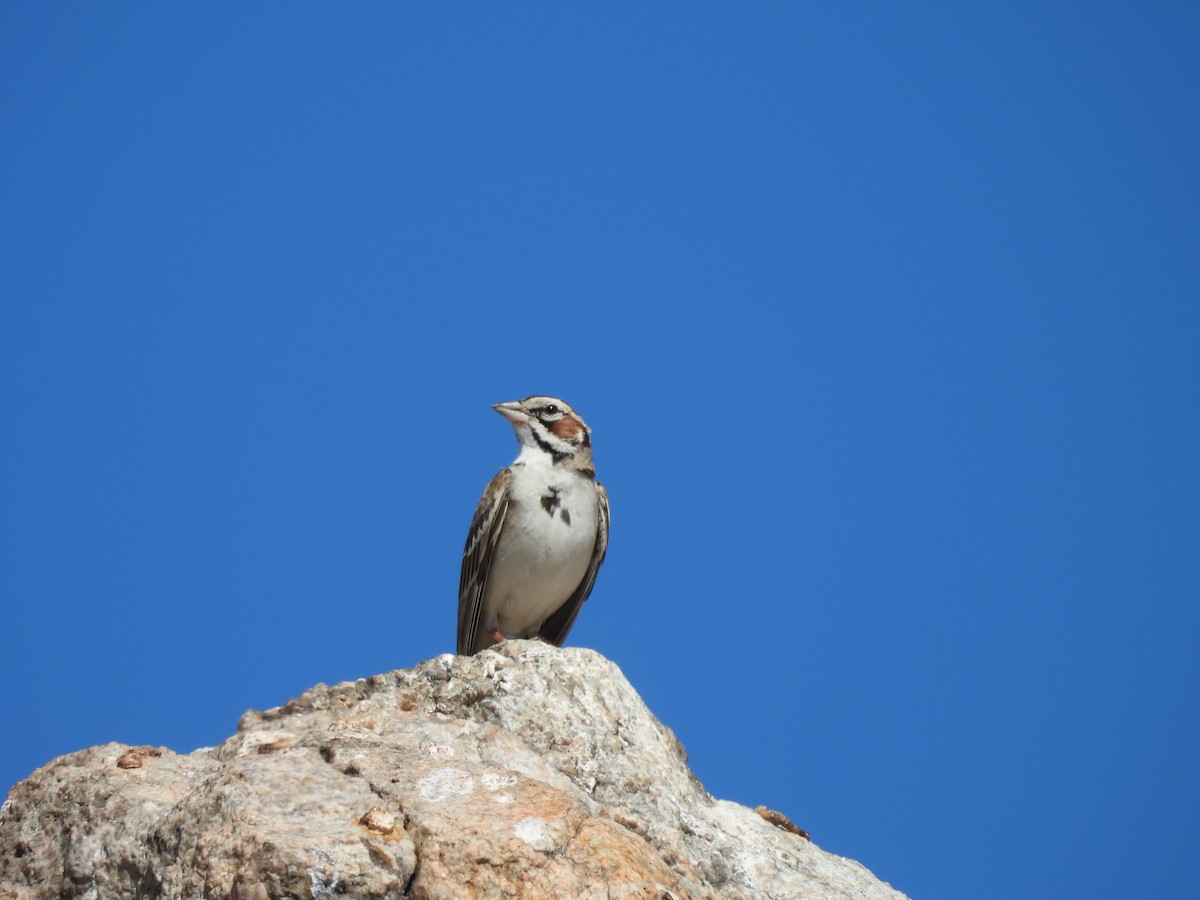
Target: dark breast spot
[551,502]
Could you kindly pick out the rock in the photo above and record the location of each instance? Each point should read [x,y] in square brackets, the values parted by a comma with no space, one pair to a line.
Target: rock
[526,770]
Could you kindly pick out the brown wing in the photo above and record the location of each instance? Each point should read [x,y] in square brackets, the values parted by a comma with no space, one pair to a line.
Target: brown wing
[555,628]
[477,558]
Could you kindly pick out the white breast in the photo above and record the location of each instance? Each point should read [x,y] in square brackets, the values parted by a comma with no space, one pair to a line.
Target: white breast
[544,549]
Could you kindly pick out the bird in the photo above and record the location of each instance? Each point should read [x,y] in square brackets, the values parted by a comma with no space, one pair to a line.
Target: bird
[539,534]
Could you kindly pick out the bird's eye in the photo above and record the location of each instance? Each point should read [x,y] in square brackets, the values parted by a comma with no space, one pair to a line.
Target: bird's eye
[550,409]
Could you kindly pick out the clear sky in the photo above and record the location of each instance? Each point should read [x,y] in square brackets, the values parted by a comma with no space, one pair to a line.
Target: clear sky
[885,317]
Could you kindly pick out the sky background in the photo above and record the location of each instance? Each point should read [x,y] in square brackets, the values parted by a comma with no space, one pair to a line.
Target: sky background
[885,319]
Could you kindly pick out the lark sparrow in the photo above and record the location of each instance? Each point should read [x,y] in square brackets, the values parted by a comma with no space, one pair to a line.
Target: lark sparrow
[539,534]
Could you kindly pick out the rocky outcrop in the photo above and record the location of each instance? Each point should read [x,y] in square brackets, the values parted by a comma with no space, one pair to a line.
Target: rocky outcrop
[523,771]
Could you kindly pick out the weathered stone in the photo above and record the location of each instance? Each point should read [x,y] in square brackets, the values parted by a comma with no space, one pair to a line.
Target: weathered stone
[522,771]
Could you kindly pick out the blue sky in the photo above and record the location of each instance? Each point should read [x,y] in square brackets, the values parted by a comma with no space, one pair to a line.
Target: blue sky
[885,321]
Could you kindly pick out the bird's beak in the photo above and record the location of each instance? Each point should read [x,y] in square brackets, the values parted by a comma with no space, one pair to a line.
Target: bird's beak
[512,410]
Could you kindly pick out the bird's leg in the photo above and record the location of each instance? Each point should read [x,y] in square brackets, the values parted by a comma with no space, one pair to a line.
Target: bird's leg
[496,635]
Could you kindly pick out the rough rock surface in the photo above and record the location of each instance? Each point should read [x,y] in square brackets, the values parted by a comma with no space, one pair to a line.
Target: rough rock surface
[522,771]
